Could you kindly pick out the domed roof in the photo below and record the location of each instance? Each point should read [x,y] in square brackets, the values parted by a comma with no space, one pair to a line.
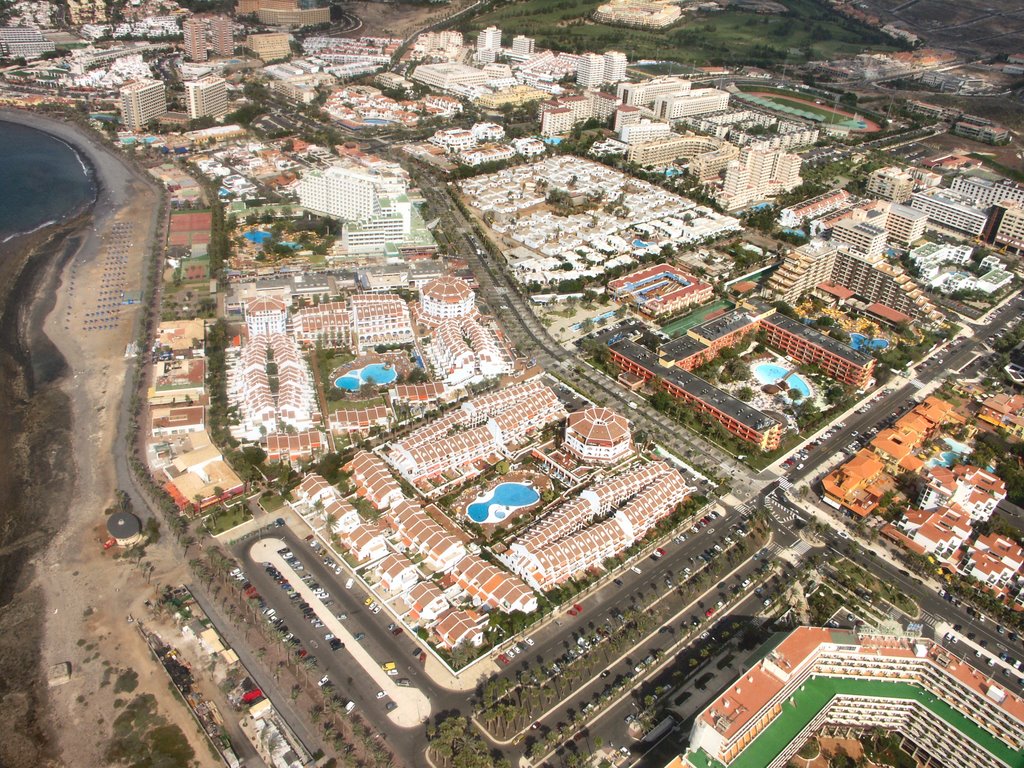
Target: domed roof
[123,525]
[448,289]
[599,424]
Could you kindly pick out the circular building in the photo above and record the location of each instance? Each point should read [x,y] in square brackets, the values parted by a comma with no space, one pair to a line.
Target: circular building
[598,435]
[125,528]
[447,298]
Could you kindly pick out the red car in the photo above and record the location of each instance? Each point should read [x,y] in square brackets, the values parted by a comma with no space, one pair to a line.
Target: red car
[578,607]
[573,611]
[504,659]
[252,695]
[660,551]
[709,612]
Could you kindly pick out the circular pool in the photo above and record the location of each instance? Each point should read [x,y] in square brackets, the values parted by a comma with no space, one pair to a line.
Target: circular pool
[501,501]
[781,376]
[375,373]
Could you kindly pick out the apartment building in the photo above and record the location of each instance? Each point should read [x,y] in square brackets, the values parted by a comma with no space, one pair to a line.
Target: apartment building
[731,413]
[373,481]
[660,289]
[939,533]
[194,38]
[757,175]
[946,711]
[891,183]
[860,238]
[560,115]
[809,347]
[995,562]
[1006,412]
[327,323]
[644,93]
[417,532]
[875,281]
[266,315]
[24,42]
[672,147]
[271,46]
[598,435]
[567,542]
[222,35]
[803,269]
[984,191]
[206,97]
[449,77]
[813,208]
[141,102]
[339,191]
[261,408]
[964,489]
[689,103]
[950,211]
[1005,226]
[379,319]
[480,431]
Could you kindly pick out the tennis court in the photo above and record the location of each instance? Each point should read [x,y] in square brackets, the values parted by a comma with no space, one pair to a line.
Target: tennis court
[681,325]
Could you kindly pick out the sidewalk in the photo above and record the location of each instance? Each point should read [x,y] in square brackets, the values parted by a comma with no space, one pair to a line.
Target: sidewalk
[258,670]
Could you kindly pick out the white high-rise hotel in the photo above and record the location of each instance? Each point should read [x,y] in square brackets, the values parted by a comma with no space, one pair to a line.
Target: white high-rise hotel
[339,192]
[207,97]
[594,70]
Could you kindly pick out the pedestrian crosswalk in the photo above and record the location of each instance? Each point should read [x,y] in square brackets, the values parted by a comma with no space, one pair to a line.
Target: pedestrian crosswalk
[745,507]
[785,484]
[916,383]
[927,618]
[801,548]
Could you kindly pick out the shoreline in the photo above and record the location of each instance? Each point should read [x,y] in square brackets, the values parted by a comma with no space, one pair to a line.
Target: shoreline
[63,423]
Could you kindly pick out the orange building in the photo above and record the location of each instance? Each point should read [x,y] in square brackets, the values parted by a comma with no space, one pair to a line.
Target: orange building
[858,485]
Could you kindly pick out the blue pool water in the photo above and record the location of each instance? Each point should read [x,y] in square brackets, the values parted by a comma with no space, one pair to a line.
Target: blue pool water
[640,244]
[950,457]
[257,236]
[596,319]
[860,341]
[554,141]
[376,121]
[773,373]
[495,505]
[375,373]
[797,232]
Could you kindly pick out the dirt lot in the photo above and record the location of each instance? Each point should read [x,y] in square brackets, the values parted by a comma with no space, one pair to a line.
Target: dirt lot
[972,27]
[400,19]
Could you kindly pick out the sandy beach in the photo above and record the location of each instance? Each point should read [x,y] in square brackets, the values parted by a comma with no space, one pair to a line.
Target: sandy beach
[67,599]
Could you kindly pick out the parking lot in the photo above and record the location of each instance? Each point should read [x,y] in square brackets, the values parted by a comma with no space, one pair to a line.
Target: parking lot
[352,647]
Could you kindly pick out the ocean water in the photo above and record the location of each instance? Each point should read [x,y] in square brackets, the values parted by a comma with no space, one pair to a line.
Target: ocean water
[41,179]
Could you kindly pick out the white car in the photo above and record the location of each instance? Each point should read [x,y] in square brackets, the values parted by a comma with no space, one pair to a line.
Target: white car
[324,681]
[381,694]
[529,641]
[349,583]
[375,609]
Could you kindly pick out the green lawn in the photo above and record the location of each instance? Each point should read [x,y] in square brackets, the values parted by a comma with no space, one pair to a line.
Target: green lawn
[728,37]
[224,521]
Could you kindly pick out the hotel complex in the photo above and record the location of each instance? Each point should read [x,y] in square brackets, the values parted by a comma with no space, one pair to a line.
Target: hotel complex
[670,367]
[945,711]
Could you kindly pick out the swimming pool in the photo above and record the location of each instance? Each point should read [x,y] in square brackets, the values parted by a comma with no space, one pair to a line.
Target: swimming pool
[257,236]
[860,341]
[375,373]
[773,373]
[950,457]
[498,503]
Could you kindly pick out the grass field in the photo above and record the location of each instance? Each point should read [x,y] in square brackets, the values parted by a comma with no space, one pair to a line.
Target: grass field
[810,30]
[789,102]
